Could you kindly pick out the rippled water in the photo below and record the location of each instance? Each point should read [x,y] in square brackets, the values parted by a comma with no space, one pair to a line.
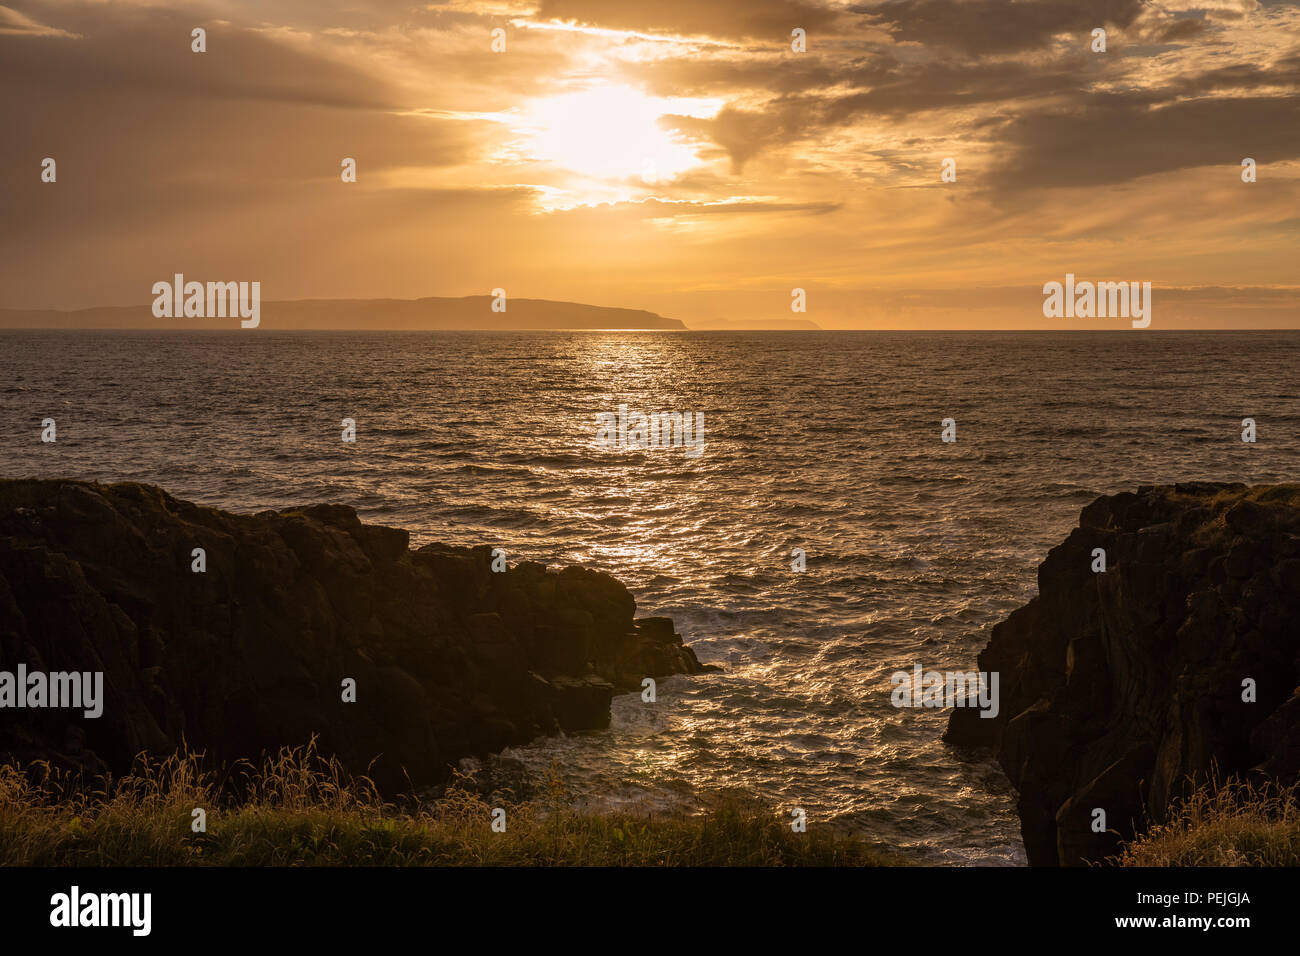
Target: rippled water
[823,441]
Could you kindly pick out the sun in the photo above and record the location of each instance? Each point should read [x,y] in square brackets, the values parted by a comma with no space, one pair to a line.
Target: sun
[613,132]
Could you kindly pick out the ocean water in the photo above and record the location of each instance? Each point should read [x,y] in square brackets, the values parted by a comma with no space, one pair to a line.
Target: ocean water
[829,442]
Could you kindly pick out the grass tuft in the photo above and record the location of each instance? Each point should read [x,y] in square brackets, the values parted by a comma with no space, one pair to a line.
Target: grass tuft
[299,808]
[1224,824]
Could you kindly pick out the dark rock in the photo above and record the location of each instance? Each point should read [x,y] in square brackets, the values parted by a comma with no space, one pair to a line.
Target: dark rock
[1278,738]
[450,659]
[1123,689]
[581,702]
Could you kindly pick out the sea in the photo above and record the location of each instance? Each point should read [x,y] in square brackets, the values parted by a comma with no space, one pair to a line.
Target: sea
[826,442]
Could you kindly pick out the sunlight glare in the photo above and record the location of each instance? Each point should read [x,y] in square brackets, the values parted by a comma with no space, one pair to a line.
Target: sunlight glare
[613,132]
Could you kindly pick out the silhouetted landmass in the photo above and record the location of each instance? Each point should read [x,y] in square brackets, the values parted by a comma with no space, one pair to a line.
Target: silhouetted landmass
[1122,689]
[449,657]
[447,314]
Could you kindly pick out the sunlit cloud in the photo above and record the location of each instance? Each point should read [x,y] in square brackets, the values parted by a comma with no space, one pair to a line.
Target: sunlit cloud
[624,152]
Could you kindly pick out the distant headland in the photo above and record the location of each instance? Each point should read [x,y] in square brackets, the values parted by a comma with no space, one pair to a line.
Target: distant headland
[467,313]
[444,314]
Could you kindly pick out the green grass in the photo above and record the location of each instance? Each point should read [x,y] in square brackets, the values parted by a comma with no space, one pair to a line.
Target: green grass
[300,809]
[1224,824]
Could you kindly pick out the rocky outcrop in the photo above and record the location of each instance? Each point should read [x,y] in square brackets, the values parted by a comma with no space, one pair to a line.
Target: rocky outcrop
[448,657]
[1179,661]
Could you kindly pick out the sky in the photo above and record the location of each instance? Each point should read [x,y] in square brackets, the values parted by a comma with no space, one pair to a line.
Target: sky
[673,155]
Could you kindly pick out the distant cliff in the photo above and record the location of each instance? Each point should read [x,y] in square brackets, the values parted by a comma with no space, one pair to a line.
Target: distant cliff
[1119,687]
[470,313]
[449,658]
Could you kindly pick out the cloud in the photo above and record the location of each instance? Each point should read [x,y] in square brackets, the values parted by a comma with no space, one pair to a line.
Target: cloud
[820,168]
[772,19]
[13,23]
[680,207]
[1104,139]
[988,27]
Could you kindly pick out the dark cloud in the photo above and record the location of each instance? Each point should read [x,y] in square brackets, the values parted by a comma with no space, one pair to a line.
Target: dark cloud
[748,73]
[888,89]
[910,89]
[1285,73]
[147,52]
[744,134]
[987,27]
[1177,31]
[772,19]
[1068,121]
[1104,139]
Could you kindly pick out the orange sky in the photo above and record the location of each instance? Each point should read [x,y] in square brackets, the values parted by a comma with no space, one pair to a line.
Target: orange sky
[673,155]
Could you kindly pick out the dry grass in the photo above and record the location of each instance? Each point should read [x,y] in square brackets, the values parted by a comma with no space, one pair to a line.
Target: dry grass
[299,808]
[1224,824]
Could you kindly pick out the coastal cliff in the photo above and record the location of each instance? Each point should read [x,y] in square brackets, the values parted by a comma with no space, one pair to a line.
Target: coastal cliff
[449,658]
[1179,661]
[473,313]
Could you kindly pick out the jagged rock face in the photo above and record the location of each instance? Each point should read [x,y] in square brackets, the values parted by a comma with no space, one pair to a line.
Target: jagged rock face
[1118,688]
[449,658]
